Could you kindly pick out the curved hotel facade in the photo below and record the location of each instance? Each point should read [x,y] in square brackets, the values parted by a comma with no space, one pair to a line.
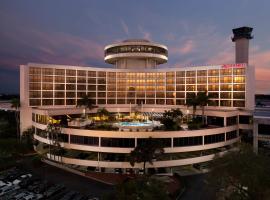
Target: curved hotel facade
[136,83]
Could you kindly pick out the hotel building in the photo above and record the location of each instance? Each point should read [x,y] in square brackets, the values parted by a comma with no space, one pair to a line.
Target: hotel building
[136,83]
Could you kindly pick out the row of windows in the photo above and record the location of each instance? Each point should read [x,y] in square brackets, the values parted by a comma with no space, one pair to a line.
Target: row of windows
[136,48]
[223,87]
[130,142]
[83,80]
[210,139]
[83,73]
[60,94]
[48,102]
[85,140]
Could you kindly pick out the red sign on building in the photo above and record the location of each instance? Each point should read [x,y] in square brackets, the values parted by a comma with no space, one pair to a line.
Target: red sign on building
[234,65]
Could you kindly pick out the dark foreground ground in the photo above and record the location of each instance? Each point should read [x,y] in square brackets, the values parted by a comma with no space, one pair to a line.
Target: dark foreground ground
[197,188]
[71,181]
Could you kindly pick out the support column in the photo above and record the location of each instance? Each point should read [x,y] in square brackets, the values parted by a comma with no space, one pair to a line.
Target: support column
[255,137]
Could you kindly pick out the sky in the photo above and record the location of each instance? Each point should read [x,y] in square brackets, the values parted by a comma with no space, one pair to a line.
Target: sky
[75,32]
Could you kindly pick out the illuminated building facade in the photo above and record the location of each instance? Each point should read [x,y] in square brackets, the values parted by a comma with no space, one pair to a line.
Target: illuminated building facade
[137,82]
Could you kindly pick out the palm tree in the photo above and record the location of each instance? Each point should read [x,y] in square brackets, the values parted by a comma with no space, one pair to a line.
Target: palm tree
[146,152]
[87,103]
[192,101]
[102,112]
[203,99]
[15,103]
[54,131]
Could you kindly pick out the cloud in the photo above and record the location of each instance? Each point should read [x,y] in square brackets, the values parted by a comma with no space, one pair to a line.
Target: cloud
[184,49]
[145,34]
[125,27]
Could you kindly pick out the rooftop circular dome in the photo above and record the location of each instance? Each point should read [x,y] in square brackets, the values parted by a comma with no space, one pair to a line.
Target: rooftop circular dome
[136,53]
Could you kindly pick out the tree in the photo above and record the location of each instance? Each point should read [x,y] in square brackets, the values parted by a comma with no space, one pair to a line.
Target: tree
[241,175]
[102,112]
[15,103]
[203,100]
[171,119]
[86,103]
[146,151]
[192,101]
[142,188]
[54,132]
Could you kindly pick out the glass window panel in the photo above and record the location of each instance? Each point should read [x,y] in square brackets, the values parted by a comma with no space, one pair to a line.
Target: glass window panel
[59,102]
[91,74]
[180,74]
[59,87]
[47,86]
[213,87]
[239,79]
[81,72]
[201,73]
[226,79]
[70,72]
[59,94]
[239,71]
[213,72]
[81,87]
[47,102]
[60,72]
[59,79]
[34,86]
[71,87]
[70,94]
[190,73]
[239,87]
[47,71]
[92,87]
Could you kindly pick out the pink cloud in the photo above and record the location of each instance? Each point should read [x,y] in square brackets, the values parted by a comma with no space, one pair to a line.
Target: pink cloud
[184,49]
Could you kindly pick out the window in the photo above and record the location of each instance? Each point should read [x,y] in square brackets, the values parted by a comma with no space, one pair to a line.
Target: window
[60,72]
[71,87]
[180,74]
[84,140]
[190,73]
[226,103]
[118,142]
[166,142]
[226,95]
[239,87]
[245,119]
[210,139]
[187,141]
[263,129]
[238,71]
[231,121]
[201,73]
[226,79]
[91,74]
[201,80]
[239,95]
[231,135]
[238,103]
[225,71]
[70,72]
[81,73]
[213,72]
[213,80]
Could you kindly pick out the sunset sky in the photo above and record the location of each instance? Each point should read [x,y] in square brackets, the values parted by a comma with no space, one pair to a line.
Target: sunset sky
[75,32]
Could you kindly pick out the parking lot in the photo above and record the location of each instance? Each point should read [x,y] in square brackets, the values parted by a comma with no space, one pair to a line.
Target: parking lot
[48,182]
